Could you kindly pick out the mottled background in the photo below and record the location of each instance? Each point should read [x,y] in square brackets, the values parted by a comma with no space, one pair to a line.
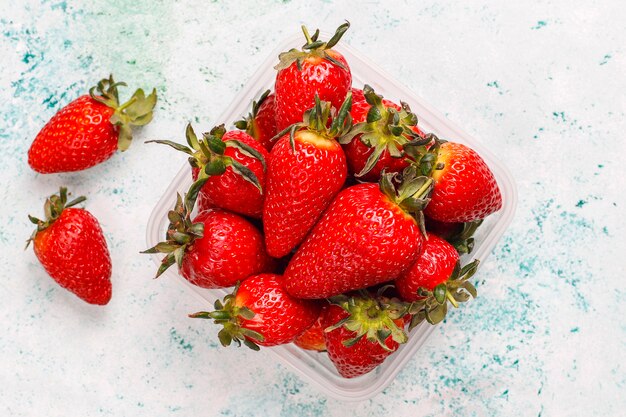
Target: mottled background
[540,83]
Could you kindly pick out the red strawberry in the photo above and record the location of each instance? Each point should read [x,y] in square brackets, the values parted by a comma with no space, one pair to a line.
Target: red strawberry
[260,312]
[367,236]
[459,235]
[215,250]
[90,129]
[434,279]
[465,189]
[377,141]
[306,169]
[313,338]
[71,247]
[261,122]
[362,331]
[316,70]
[228,167]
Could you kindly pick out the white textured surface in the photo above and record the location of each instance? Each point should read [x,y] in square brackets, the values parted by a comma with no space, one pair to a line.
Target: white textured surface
[541,84]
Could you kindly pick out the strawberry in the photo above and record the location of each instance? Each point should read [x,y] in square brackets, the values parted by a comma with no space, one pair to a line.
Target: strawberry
[71,247]
[377,140]
[306,169]
[228,168]
[315,70]
[260,312]
[313,338]
[459,235]
[215,250]
[261,122]
[435,279]
[361,331]
[90,129]
[465,188]
[366,236]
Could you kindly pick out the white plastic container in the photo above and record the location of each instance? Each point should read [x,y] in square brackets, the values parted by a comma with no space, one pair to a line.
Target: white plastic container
[311,366]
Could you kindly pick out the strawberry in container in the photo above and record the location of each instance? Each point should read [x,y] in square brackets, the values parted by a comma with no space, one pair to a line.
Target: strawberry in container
[315,70]
[228,168]
[261,121]
[306,169]
[259,312]
[381,130]
[435,280]
[464,189]
[370,234]
[362,330]
[216,249]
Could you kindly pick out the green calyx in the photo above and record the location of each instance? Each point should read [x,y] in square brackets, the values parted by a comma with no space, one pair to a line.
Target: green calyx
[53,207]
[424,153]
[181,233]
[137,111]
[385,129]
[463,240]
[228,314]
[207,154]
[371,317]
[433,306]
[317,118]
[247,124]
[312,48]
[409,190]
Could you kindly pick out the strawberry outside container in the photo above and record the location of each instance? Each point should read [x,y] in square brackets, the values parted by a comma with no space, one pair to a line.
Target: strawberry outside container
[316,367]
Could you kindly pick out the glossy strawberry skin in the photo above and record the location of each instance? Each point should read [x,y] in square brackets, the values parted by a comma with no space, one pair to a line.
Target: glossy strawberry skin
[231,250]
[433,267]
[357,152]
[229,190]
[360,358]
[74,253]
[465,189]
[300,185]
[313,338]
[77,137]
[363,239]
[295,89]
[279,317]
[265,122]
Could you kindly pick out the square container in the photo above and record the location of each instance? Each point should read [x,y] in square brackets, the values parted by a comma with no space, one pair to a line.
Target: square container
[312,366]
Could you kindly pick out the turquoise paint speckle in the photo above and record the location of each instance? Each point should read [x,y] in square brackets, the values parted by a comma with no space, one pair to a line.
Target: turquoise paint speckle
[539,25]
[606,59]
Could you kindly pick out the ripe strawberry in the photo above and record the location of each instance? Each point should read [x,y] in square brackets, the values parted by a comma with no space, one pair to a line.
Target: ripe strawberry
[306,169]
[315,70]
[366,236]
[260,312]
[228,168]
[459,235]
[465,189]
[90,129]
[215,250]
[434,279]
[261,122]
[71,247]
[362,331]
[377,141]
[313,338]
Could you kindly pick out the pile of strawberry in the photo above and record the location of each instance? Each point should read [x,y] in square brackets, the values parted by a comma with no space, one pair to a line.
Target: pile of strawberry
[338,221]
